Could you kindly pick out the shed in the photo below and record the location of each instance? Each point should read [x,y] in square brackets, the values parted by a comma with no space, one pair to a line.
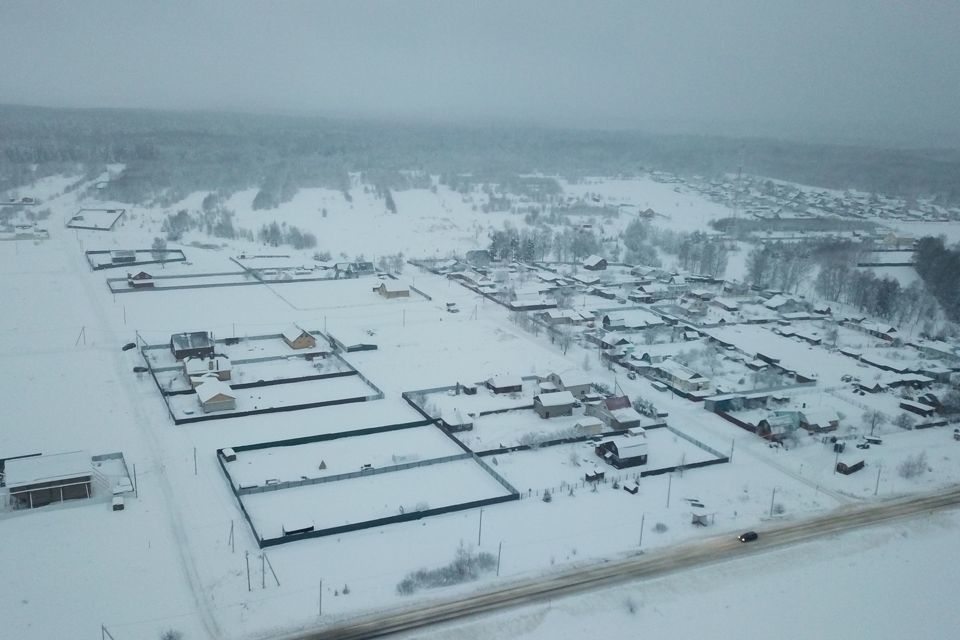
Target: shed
[918,408]
[36,481]
[215,395]
[297,338]
[550,405]
[848,468]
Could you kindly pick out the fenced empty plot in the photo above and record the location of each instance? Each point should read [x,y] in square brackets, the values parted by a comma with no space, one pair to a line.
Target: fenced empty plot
[131,258]
[291,490]
[95,219]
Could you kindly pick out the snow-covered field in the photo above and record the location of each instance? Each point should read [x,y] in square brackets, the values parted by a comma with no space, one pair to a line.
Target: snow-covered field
[167,560]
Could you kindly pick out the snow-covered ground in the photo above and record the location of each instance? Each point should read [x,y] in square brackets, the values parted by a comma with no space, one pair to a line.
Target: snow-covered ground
[838,587]
[166,561]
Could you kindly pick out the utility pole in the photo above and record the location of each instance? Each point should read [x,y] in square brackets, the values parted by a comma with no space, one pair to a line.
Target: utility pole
[669,487]
[246,555]
[320,601]
[733,442]
[877,487]
[642,519]
[480,527]
[194,461]
[772,495]
[136,488]
[499,553]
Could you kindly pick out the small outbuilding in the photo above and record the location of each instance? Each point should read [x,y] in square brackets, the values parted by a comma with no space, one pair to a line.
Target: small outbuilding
[215,395]
[297,338]
[36,481]
[551,405]
[574,381]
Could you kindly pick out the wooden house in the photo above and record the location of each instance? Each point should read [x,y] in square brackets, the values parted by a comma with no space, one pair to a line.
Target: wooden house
[297,338]
[215,395]
[575,381]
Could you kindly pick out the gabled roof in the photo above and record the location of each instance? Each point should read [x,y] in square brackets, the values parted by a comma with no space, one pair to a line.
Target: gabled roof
[556,399]
[293,332]
[593,261]
[211,388]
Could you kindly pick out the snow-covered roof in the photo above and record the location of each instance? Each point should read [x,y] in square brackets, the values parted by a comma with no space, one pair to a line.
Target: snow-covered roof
[392,286]
[200,366]
[293,332]
[776,302]
[211,388]
[505,381]
[630,446]
[574,378]
[25,471]
[556,399]
[592,261]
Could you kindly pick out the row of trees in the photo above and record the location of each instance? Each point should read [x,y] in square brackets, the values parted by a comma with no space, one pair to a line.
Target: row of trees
[277,234]
[779,265]
[538,242]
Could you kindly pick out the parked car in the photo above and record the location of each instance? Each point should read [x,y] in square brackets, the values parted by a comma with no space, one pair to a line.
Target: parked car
[748,536]
[632,375]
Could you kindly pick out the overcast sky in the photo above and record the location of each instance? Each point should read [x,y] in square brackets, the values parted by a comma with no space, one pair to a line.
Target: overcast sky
[881,68]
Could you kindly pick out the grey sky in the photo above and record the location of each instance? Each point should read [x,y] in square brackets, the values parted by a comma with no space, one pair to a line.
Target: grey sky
[879,68]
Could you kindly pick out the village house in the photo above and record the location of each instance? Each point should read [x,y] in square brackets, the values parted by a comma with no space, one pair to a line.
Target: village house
[141,280]
[198,344]
[679,376]
[551,405]
[35,481]
[574,381]
[215,395]
[627,450]
[297,338]
[616,412]
[505,384]
[595,263]
[390,289]
[588,426]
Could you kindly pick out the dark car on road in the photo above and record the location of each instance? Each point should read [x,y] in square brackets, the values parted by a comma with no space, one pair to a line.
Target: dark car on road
[749,536]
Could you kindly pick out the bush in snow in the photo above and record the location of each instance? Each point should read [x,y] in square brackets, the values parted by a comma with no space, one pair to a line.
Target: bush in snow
[465,567]
[547,496]
[171,634]
[660,527]
[913,466]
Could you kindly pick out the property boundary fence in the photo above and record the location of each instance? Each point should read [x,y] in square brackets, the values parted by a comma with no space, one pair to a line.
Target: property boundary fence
[350,371]
[99,252]
[120,213]
[239,492]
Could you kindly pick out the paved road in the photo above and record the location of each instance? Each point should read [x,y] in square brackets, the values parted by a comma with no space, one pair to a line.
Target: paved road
[641,566]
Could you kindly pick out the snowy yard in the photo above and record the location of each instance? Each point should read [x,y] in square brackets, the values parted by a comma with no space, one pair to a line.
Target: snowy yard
[333,504]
